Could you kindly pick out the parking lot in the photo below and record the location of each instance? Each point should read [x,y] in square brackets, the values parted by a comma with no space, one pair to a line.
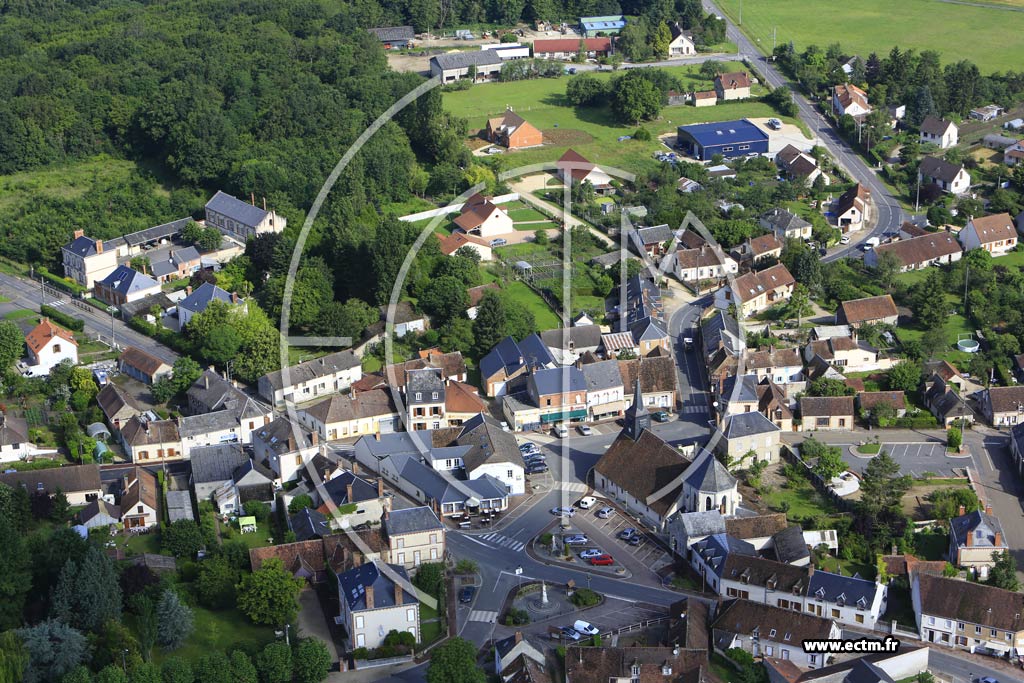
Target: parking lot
[603,534]
[915,459]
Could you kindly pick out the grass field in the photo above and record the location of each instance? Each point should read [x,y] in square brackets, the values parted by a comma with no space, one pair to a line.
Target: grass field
[20,314]
[591,131]
[223,630]
[956,31]
[542,313]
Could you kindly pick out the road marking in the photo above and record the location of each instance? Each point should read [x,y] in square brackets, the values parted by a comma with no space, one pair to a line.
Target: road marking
[487,616]
[572,487]
[470,538]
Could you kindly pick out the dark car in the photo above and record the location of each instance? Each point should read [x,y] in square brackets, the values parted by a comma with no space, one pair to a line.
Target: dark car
[660,416]
[466,594]
[539,468]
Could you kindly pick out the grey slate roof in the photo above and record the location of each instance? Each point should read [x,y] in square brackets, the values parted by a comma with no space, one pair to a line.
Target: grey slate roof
[984,528]
[307,524]
[747,424]
[462,60]
[486,442]
[311,369]
[426,381]
[157,232]
[744,386]
[276,435]
[411,521]
[236,209]
[337,489]
[510,356]
[353,583]
[602,375]
[705,523]
[583,336]
[850,590]
[216,463]
[200,299]
[389,34]
[722,330]
[783,220]
[177,257]
[126,281]
[82,246]
[940,169]
[789,545]
[207,423]
[714,549]
[708,474]
[557,380]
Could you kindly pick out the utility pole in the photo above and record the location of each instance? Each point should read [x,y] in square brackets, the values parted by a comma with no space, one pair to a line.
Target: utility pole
[113,338]
[741,13]
[774,28]
[917,200]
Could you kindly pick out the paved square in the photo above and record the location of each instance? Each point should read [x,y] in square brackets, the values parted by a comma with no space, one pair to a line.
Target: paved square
[916,459]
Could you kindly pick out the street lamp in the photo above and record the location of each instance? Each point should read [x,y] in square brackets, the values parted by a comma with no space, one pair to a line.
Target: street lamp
[113,338]
[124,662]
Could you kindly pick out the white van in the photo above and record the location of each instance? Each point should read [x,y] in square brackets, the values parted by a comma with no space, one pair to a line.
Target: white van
[587,502]
[562,431]
[585,628]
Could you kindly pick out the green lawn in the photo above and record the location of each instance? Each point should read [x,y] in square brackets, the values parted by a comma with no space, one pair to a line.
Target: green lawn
[20,314]
[803,502]
[257,539]
[930,546]
[144,543]
[542,313]
[591,131]
[223,630]
[846,567]
[531,227]
[526,214]
[956,31]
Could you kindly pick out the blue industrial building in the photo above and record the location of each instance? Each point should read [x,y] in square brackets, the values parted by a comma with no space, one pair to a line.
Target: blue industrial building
[607,25]
[728,138]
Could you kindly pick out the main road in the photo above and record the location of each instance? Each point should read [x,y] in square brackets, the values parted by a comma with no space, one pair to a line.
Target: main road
[888,213]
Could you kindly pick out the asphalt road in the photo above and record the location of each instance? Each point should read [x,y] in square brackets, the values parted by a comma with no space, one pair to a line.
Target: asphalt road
[888,214]
[27,294]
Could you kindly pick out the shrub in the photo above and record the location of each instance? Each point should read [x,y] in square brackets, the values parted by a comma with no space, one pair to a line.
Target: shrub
[642,134]
[584,597]
[62,318]
[517,617]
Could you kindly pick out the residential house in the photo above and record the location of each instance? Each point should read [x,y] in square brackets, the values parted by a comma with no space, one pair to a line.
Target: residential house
[249,481]
[605,390]
[868,401]
[139,498]
[452,366]
[347,500]
[552,395]
[86,260]
[847,354]
[509,649]
[306,381]
[414,535]
[849,99]
[513,131]
[510,359]
[785,224]
[918,252]
[568,48]
[704,263]
[482,218]
[905,664]
[403,317]
[303,559]
[758,249]
[462,402]
[800,166]
[284,447]
[757,291]
[872,309]
[457,240]
[720,335]
[682,44]
[198,301]
[244,221]
[939,132]
[653,241]
[853,209]
[49,345]
[394,37]
[224,405]
[704,98]
[967,615]
[80,483]
[945,401]
[124,285]
[846,599]
[732,86]
[606,664]
[946,371]
[768,631]
[826,412]
[974,538]
[574,168]
[99,514]
[481,65]
[745,433]
[986,113]
[567,344]
[1003,405]
[656,373]
[214,466]
[780,366]
[14,438]
[950,178]
[143,366]
[179,264]
[476,295]
[736,394]
[145,440]
[480,447]
[425,400]
[995,234]
[364,412]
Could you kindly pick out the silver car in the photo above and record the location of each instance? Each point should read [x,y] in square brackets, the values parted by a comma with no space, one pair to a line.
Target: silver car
[605,513]
[590,552]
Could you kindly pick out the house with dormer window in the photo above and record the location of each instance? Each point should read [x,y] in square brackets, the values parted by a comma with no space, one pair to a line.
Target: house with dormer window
[767,631]
[846,599]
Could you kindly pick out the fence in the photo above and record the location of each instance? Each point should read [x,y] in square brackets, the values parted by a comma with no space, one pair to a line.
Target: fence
[453,208]
[638,626]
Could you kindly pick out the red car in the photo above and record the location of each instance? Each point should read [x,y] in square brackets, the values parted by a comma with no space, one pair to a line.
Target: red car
[602,560]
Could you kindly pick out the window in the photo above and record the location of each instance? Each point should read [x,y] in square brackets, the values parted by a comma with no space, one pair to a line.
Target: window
[727,149]
[360,640]
[399,542]
[298,460]
[141,510]
[835,614]
[510,474]
[433,396]
[821,422]
[771,634]
[931,620]
[410,615]
[401,558]
[813,659]
[743,147]
[960,626]
[359,622]
[994,633]
[419,396]
[433,553]
[785,654]
[416,557]
[842,422]
[433,538]
[143,455]
[859,618]
[977,630]
[56,348]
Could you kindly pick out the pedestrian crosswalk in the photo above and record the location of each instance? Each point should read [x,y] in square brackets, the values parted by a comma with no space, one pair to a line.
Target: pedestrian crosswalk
[690,410]
[504,541]
[573,486]
[484,615]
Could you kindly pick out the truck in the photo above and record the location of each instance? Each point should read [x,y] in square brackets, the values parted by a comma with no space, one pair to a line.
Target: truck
[870,243]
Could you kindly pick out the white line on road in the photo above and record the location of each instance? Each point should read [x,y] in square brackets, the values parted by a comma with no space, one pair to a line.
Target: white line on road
[470,538]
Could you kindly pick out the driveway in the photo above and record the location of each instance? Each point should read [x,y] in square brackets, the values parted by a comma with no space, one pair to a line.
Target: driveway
[525,187]
[312,621]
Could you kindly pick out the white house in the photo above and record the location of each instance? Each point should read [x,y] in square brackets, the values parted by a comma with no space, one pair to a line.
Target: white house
[284,447]
[309,380]
[849,99]
[376,599]
[244,220]
[967,615]
[198,301]
[951,178]
[48,345]
[681,44]
[605,389]
[484,219]
[764,630]
[939,132]
[14,443]
[995,234]
[702,263]
[139,498]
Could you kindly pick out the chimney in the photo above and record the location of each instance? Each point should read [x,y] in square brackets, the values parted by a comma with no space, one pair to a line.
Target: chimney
[264,203]
[348,493]
[266,420]
[380,492]
[314,437]
[252,198]
[376,436]
[357,559]
[188,290]
[206,383]
[894,549]
[234,297]
[518,637]
[398,593]
[291,443]
[998,541]
[963,510]
[988,508]
[969,541]
[99,246]
[78,233]
[369,597]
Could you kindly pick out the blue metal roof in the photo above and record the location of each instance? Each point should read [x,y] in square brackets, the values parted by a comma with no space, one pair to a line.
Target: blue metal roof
[611,22]
[725,133]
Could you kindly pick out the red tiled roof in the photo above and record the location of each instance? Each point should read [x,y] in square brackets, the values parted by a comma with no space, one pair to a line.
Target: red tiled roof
[44,332]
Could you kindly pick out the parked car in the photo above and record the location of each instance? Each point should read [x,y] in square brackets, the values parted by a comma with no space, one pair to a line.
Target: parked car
[569,633]
[660,416]
[466,594]
[576,539]
[528,447]
[628,532]
[590,552]
[587,502]
[774,124]
[585,430]
[565,512]
[585,627]
[539,468]
[634,541]
[602,561]
[499,242]
[987,679]
[561,431]
[605,513]
[534,457]
[845,239]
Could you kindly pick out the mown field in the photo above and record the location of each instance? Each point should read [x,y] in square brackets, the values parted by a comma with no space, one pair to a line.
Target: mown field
[591,131]
[981,34]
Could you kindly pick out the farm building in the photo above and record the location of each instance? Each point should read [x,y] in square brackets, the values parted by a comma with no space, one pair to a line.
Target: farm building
[728,138]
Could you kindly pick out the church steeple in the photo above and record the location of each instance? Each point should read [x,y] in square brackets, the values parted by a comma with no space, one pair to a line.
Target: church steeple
[637,417]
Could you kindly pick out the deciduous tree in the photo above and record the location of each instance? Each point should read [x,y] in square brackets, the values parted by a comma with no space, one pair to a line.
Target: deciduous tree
[269,594]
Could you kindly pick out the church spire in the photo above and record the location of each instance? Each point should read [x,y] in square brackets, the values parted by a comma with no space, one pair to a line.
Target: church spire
[637,417]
